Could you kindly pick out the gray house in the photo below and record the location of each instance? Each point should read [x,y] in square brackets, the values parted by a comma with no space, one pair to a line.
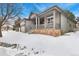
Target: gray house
[53,17]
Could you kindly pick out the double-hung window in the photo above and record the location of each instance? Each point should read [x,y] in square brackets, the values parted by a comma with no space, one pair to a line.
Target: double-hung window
[50,19]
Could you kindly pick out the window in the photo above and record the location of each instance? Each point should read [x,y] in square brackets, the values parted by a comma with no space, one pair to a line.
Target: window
[41,20]
[50,19]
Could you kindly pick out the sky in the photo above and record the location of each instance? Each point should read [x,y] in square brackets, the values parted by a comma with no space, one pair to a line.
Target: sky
[40,7]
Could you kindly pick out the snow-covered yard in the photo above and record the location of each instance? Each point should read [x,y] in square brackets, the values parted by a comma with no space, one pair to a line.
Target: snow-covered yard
[42,45]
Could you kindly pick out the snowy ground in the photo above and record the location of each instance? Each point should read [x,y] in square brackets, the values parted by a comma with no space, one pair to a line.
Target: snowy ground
[41,45]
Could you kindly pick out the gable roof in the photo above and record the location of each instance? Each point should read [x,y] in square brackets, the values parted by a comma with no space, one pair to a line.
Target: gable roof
[32,14]
[52,8]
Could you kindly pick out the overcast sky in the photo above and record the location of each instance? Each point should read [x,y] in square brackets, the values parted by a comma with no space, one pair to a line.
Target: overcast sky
[39,7]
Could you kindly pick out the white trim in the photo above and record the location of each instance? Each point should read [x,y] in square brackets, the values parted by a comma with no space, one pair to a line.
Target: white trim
[36,22]
[54,14]
[45,23]
[49,17]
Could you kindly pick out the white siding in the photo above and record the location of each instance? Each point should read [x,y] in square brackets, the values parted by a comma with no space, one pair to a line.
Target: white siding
[22,29]
[27,26]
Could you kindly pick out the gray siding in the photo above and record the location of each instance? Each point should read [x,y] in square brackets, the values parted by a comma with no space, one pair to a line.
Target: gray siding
[64,23]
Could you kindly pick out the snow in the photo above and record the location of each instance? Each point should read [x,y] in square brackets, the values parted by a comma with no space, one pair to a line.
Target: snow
[3,52]
[44,45]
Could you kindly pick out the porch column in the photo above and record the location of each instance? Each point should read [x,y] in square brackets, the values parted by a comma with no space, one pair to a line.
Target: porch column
[36,22]
[45,22]
[54,19]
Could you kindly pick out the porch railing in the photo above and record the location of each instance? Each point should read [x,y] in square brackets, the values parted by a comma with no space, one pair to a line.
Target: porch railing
[49,25]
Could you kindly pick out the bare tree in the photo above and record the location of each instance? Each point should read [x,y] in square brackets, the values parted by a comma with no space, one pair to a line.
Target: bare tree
[8,11]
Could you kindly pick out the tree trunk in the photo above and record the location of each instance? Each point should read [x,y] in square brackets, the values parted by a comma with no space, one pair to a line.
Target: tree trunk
[0,32]
[20,28]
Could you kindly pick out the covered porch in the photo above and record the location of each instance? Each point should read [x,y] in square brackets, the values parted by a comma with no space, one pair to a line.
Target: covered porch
[50,19]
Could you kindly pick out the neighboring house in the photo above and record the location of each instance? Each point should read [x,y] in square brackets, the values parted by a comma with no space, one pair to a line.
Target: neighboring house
[53,17]
[77,25]
[26,25]
[7,26]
